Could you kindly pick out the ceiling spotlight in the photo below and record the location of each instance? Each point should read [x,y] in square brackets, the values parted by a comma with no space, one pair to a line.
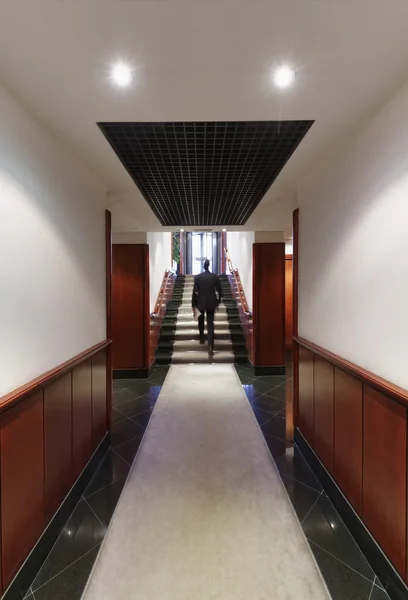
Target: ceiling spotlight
[284,77]
[181,230]
[224,230]
[122,74]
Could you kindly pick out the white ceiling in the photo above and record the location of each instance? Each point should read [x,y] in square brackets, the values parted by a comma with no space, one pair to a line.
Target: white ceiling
[202,60]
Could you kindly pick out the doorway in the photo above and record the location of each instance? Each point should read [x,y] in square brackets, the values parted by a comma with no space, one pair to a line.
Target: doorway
[202,246]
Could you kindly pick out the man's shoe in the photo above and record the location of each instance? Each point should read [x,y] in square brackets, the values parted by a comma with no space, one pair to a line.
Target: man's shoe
[202,341]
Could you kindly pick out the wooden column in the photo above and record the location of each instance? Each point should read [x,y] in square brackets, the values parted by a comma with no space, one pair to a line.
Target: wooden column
[130,310]
[269,308]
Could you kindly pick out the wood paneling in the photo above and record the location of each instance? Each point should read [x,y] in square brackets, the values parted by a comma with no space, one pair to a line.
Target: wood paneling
[269,304]
[385,474]
[295,269]
[324,411]
[108,254]
[99,421]
[130,306]
[58,442]
[22,482]
[288,302]
[306,395]
[81,416]
[348,436]
[35,385]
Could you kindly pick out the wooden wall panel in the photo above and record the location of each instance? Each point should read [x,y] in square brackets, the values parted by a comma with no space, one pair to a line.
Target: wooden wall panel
[58,442]
[269,304]
[324,411]
[81,416]
[108,269]
[22,482]
[288,302]
[130,314]
[385,474]
[99,417]
[348,436]
[306,395]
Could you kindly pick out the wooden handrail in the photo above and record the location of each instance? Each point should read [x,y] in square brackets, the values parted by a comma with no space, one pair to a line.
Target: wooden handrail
[157,307]
[18,395]
[395,392]
[238,282]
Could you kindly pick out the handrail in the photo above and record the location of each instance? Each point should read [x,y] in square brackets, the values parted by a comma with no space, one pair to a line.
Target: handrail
[16,396]
[238,281]
[162,290]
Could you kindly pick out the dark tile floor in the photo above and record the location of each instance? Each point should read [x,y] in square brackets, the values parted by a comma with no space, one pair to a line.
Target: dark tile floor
[65,572]
[347,573]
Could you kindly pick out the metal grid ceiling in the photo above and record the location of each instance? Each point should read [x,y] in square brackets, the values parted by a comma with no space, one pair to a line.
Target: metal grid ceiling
[200,173]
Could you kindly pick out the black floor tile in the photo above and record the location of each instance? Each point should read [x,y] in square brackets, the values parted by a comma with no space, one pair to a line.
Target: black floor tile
[302,497]
[121,396]
[143,418]
[268,405]
[124,431]
[251,394]
[117,416]
[104,502]
[262,387]
[281,393]
[112,468]
[378,594]
[128,450]
[69,584]
[343,583]
[261,416]
[276,426]
[273,380]
[144,388]
[82,533]
[136,406]
[324,527]
[245,379]
[276,446]
[295,466]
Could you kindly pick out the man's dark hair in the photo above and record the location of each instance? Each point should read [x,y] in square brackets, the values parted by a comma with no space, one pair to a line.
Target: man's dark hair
[206,264]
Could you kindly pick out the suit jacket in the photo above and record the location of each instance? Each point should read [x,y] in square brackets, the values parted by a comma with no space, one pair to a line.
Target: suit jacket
[204,293]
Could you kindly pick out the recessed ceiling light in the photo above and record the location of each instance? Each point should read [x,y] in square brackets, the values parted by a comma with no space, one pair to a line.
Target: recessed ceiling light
[122,74]
[284,77]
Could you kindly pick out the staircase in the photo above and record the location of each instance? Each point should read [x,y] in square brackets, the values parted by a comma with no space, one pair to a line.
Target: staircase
[179,339]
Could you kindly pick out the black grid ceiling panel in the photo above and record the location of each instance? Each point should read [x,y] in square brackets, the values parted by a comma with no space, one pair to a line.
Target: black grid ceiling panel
[201,174]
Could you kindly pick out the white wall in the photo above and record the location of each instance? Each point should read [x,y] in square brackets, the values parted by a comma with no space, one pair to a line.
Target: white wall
[353,253]
[52,252]
[160,259]
[240,248]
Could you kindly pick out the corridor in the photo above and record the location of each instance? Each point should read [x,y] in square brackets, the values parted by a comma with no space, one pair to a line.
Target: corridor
[191,470]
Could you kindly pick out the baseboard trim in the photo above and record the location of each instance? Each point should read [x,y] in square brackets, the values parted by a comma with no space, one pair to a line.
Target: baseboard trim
[133,373]
[390,579]
[29,570]
[271,370]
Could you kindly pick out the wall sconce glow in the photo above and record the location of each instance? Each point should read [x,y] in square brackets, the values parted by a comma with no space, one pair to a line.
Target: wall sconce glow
[284,77]
[121,74]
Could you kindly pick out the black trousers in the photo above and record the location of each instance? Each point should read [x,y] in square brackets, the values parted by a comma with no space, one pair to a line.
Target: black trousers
[210,327]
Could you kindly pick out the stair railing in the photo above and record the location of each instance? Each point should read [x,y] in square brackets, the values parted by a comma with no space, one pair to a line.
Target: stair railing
[236,276]
[167,283]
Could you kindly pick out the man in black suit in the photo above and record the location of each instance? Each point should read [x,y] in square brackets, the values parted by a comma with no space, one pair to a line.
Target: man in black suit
[206,287]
